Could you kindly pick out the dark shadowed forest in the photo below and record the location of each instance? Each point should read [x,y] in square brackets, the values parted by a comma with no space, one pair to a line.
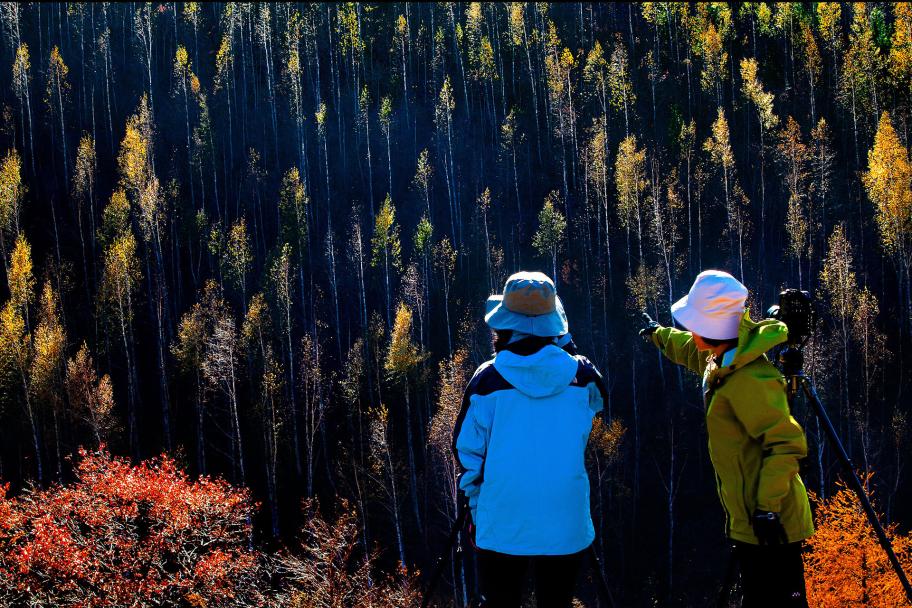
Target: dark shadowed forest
[210,251]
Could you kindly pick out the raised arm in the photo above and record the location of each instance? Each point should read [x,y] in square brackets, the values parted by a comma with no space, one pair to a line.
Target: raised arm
[679,347]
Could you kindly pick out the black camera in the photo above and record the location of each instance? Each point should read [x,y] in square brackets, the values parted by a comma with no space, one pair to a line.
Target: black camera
[796,310]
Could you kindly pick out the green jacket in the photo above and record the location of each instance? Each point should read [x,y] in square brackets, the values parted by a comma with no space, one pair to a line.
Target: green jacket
[754,442]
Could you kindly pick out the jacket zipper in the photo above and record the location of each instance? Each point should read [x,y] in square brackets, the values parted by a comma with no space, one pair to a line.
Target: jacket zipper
[707,401]
[724,506]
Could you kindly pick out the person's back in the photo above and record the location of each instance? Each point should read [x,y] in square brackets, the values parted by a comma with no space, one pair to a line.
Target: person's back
[531,416]
[520,440]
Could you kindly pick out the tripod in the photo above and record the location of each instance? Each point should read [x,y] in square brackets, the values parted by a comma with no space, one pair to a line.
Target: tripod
[792,360]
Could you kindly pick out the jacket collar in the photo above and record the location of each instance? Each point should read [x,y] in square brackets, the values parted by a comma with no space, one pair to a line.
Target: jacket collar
[755,338]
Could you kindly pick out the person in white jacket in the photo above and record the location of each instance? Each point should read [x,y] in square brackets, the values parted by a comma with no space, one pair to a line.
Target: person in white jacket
[520,440]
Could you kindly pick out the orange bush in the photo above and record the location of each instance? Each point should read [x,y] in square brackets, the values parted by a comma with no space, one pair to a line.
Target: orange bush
[845,565]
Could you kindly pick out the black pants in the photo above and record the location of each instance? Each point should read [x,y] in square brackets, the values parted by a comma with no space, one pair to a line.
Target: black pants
[502,577]
[771,575]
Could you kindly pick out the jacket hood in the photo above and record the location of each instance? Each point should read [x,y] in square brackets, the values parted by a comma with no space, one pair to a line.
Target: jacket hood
[541,374]
[755,338]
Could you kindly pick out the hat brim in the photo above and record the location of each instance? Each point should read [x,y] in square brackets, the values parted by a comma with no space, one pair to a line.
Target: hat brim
[551,324]
[704,326]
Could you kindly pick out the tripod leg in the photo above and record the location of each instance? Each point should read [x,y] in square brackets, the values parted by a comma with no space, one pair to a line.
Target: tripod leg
[815,402]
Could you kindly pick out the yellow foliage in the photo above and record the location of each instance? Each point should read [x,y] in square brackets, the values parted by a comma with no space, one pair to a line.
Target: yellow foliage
[385,244]
[21,66]
[718,145]
[715,59]
[900,59]
[795,156]
[446,103]
[350,30]
[862,64]
[606,439]
[181,59]
[151,212]
[752,89]
[829,19]
[132,156]
[115,218]
[84,174]
[837,276]
[402,355]
[257,321]
[135,157]
[20,277]
[191,11]
[11,192]
[293,66]
[238,256]
[454,374]
[57,71]
[191,338]
[293,203]
[15,342]
[517,23]
[644,287]
[320,116]
[224,60]
[121,275]
[619,83]
[810,51]
[90,396]
[888,182]
[49,342]
[629,178]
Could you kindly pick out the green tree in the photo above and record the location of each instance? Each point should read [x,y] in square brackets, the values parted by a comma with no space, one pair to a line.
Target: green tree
[552,227]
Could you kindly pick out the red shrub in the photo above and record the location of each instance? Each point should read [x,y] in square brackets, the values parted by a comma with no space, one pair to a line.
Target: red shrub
[120,535]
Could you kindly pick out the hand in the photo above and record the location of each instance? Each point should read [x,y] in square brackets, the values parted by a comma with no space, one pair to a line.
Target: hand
[650,327]
[768,528]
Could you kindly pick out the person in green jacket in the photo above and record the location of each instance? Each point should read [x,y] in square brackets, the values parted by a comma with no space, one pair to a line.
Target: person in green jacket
[754,442]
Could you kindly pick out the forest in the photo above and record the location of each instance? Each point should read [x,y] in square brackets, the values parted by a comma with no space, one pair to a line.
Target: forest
[235,328]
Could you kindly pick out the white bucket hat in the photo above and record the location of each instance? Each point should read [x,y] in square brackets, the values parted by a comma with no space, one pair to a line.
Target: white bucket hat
[529,305]
[714,306]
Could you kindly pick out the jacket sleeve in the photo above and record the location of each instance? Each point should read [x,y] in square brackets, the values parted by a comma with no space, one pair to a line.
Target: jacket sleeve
[472,446]
[592,378]
[758,399]
[679,347]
